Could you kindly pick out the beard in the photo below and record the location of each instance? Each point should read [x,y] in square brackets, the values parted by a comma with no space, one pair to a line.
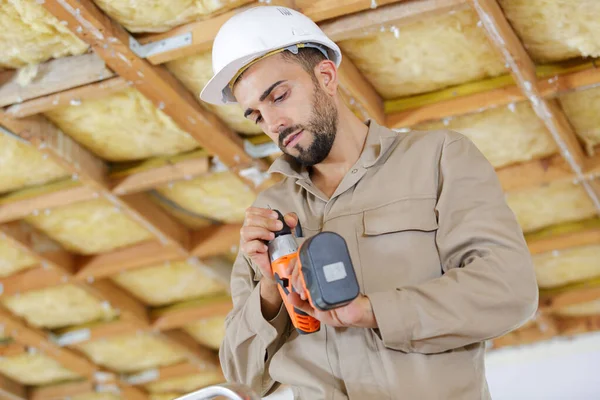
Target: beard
[323,124]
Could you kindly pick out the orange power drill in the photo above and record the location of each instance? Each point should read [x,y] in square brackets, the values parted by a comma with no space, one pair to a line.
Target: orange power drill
[326,272]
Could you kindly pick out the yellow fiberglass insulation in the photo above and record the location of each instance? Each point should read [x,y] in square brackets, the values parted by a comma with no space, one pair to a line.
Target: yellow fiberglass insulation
[30,35]
[505,134]
[553,204]
[209,331]
[169,282]
[220,196]
[160,15]
[194,72]
[14,259]
[124,126]
[90,227]
[582,109]
[427,55]
[567,266]
[34,369]
[555,30]
[22,165]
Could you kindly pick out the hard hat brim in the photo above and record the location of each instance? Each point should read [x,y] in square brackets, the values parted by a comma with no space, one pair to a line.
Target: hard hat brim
[216,90]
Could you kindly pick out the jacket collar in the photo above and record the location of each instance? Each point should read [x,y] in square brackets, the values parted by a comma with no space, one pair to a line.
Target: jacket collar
[379,140]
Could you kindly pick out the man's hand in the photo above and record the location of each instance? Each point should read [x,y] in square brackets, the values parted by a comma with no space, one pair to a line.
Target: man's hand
[358,313]
[259,227]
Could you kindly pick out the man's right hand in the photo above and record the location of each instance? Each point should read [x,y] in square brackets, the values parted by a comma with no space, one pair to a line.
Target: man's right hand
[259,227]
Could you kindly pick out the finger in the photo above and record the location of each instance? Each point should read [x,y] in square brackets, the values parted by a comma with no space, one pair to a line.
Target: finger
[262,212]
[254,247]
[291,219]
[250,233]
[300,304]
[263,222]
[297,283]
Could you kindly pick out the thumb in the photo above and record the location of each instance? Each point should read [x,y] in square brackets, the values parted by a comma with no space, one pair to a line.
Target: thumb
[291,219]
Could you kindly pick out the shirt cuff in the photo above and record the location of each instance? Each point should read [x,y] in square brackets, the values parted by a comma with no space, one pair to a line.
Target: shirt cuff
[395,319]
[268,331]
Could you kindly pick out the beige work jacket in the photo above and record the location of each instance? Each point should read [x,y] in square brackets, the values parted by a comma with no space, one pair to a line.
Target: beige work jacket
[435,248]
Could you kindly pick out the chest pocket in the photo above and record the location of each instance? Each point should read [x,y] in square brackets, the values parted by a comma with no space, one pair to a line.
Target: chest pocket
[396,244]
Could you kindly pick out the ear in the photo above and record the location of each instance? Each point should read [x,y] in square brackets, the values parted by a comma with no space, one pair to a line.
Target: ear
[326,73]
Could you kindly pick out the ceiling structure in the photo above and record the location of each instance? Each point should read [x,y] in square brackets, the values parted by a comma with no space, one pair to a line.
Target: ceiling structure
[122,195]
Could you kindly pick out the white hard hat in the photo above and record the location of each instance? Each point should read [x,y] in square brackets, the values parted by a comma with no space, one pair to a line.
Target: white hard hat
[254,34]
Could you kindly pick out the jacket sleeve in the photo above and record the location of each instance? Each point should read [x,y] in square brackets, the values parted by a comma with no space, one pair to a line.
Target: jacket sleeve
[488,287]
[250,341]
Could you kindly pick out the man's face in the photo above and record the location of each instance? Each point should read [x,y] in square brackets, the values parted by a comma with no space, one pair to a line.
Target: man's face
[290,107]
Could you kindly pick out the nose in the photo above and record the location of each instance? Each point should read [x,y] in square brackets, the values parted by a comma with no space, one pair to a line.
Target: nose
[276,122]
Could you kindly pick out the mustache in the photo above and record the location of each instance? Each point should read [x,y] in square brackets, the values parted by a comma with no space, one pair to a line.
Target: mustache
[287,132]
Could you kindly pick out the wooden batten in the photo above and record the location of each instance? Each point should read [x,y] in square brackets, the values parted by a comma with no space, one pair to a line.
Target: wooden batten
[54,76]
[565,236]
[174,317]
[33,279]
[160,175]
[508,45]
[130,309]
[111,42]
[570,295]
[350,26]
[197,354]
[100,330]
[32,337]
[62,390]
[11,390]
[136,256]
[49,102]
[215,240]
[12,349]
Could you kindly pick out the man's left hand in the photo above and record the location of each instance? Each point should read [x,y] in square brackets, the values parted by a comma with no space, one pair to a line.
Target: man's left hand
[358,313]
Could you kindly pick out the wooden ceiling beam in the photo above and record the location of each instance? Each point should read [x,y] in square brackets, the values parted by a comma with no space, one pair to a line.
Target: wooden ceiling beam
[565,236]
[93,173]
[508,45]
[112,43]
[19,331]
[92,91]
[215,240]
[371,21]
[179,315]
[61,391]
[53,76]
[11,390]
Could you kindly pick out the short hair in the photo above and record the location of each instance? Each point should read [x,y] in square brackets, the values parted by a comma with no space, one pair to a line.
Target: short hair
[307,57]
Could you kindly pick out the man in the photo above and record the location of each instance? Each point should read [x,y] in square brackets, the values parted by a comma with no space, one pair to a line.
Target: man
[440,259]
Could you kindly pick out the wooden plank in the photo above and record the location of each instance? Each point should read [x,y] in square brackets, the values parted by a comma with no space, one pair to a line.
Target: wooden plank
[565,236]
[129,308]
[11,390]
[197,354]
[111,42]
[161,175]
[92,172]
[37,244]
[32,337]
[182,314]
[360,92]
[96,90]
[508,45]
[59,147]
[61,391]
[136,256]
[215,240]
[74,335]
[54,76]
[571,295]
[32,279]
[321,10]
[12,211]
[371,21]
[12,349]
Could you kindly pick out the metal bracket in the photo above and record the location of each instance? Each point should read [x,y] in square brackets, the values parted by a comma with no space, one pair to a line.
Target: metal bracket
[260,150]
[152,48]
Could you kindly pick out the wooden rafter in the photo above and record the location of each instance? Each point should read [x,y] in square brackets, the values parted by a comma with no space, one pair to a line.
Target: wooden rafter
[112,43]
[507,43]
[11,390]
[92,173]
[176,316]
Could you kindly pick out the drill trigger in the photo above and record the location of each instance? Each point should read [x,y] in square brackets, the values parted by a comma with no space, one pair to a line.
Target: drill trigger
[283,282]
